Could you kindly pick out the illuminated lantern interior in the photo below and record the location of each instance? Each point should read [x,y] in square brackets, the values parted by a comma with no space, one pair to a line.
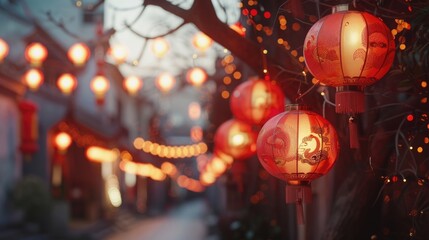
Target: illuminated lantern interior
[119,53]
[236,138]
[33,78]
[4,49]
[160,47]
[165,82]
[297,146]
[36,53]
[67,83]
[202,42]
[133,84]
[349,50]
[99,85]
[196,76]
[255,101]
[78,53]
[62,141]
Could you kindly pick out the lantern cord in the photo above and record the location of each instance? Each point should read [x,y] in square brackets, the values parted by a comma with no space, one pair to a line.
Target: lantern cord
[353,133]
[307,91]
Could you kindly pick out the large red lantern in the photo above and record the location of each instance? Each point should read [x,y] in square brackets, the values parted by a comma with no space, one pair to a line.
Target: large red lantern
[235,138]
[297,146]
[255,101]
[349,50]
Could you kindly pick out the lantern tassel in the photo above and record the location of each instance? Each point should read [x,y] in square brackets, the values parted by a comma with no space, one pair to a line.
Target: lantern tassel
[353,134]
[299,194]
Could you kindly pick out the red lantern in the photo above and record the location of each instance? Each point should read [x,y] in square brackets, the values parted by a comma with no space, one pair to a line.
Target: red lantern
[196,76]
[33,78]
[67,83]
[297,146]
[29,127]
[255,101]
[236,138]
[36,53]
[132,85]
[349,50]
[79,53]
[99,85]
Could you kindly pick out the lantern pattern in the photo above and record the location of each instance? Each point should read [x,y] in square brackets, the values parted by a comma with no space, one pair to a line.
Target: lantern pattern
[235,138]
[255,101]
[29,127]
[349,50]
[297,146]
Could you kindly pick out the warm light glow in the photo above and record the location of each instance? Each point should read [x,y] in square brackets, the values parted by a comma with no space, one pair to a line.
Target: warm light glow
[165,82]
[207,178]
[118,53]
[196,134]
[112,191]
[78,53]
[201,41]
[99,85]
[99,154]
[132,85]
[67,83]
[194,110]
[62,141]
[33,78]
[36,53]
[196,76]
[4,49]
[160,47]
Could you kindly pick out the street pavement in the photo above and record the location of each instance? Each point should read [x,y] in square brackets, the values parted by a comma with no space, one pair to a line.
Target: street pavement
[189,221]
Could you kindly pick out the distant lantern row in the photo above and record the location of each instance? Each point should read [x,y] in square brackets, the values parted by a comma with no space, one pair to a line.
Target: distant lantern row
[79,53]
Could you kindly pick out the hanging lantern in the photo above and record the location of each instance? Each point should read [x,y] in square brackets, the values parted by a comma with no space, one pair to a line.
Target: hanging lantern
[29,127]
[349,50]
[132,85]
[33,78]
[99,85]
[165,82]
[4,49]
[196,76]
[255,101]
[62,141]
[36,53]
[297,146]
[78,53]
[67,83]
[160,47]
[236,138]
[201,41]
[119,53]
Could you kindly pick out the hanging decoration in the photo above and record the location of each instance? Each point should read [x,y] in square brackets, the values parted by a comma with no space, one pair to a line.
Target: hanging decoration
[33,78]
[29,127]
[297,146]
[79,53]
[196,76]
[36,53]
[99,85]
[132,85]
[256,100]
[349,50]
[67,83]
